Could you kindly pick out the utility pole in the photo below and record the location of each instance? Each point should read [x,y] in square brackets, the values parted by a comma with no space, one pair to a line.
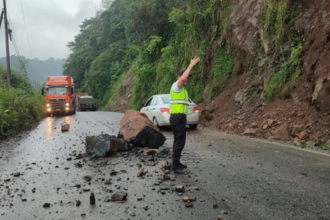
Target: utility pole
[7,45]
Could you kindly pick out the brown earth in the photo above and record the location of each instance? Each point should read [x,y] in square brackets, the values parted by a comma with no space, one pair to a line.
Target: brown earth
[301,114]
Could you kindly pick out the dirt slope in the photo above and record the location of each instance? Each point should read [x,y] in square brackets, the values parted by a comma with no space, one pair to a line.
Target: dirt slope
[302,113]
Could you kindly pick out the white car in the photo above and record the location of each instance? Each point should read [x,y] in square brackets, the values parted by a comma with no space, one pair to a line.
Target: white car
[157,110]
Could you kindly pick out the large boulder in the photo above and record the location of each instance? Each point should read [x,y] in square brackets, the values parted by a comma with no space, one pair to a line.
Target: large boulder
[136,128]
[104,144]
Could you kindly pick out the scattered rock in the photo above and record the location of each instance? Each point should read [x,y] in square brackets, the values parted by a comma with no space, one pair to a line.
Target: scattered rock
[119,196]
[65,127]
[107,182]
[281,132]
[179,189]
[303,135]
[46,205]
[166,177]
[141,172]
[225,212]
[149,151]
[103,145]
[88,178]
[92,199]
[113,173]
[188,205]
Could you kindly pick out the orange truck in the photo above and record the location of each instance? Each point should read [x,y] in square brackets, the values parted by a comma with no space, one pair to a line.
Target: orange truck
[59,95]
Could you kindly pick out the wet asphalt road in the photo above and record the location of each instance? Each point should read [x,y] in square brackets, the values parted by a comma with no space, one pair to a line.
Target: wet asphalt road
[231,177]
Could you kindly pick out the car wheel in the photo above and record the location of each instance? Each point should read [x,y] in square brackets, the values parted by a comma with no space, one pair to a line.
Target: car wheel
[194,126]
[155,122]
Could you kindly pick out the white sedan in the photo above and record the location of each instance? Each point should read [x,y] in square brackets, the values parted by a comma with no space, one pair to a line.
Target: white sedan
[157,110]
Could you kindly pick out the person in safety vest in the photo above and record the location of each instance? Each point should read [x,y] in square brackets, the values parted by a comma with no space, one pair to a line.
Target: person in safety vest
[179,106]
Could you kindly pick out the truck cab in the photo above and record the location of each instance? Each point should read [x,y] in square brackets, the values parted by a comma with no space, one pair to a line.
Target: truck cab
[59,95]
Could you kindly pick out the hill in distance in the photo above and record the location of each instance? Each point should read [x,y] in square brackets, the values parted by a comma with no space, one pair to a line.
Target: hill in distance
[36,70]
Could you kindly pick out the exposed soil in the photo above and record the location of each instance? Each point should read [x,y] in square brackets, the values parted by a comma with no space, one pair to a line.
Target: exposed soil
[282,119]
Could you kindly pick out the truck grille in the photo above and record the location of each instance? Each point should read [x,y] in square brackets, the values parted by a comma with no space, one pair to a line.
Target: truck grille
[57,100]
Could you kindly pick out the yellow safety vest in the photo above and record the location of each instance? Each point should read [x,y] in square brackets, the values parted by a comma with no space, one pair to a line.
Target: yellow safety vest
[179,103]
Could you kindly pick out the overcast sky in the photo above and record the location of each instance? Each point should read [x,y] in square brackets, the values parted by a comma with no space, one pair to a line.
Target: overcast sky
[43,28]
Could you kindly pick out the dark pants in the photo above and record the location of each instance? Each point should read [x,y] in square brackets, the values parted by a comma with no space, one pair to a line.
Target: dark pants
[178,124]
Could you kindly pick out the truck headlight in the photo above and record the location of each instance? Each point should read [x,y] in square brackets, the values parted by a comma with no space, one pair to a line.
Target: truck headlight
[67,104]
[47,105]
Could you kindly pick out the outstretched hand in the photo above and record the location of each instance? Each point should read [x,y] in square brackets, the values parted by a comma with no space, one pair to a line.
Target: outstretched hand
[194,60]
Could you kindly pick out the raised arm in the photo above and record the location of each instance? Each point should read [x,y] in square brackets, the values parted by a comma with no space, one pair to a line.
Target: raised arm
[184,78]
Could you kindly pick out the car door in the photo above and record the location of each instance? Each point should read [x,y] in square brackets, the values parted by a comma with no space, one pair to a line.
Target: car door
[153,108]
[146,107]
[149,108]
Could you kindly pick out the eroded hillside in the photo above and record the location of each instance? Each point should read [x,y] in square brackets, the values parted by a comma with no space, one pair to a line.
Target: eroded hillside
[300,112]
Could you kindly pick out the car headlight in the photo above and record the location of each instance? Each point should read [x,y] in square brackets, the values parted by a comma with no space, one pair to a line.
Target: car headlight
[47,105]
[67,104]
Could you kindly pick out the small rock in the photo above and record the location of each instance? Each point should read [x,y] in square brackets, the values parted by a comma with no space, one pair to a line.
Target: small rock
[303,135]
[188,205]
[225,212]
[65,127]
[46,205]
[119,196]
[179,189]
[88,178]
[17,174]
[140,173]
[113,173]
[166,177]
[78,165]
[107,182]
[92,199]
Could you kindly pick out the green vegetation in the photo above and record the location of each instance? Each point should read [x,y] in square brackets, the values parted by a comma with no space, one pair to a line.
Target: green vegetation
[20,106]
[326,147]
[152,40]
[288,72]
[280,36]
[221,73]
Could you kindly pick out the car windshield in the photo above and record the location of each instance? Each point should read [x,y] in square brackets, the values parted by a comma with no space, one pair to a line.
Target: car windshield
[166,99]
[56,90]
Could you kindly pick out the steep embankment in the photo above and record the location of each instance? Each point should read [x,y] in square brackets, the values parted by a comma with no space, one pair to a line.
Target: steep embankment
[301,111]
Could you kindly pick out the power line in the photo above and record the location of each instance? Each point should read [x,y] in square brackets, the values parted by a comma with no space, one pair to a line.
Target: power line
[26,30]
[13,38]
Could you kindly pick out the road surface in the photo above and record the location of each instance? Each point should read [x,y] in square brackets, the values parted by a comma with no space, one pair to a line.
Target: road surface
[45,175]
